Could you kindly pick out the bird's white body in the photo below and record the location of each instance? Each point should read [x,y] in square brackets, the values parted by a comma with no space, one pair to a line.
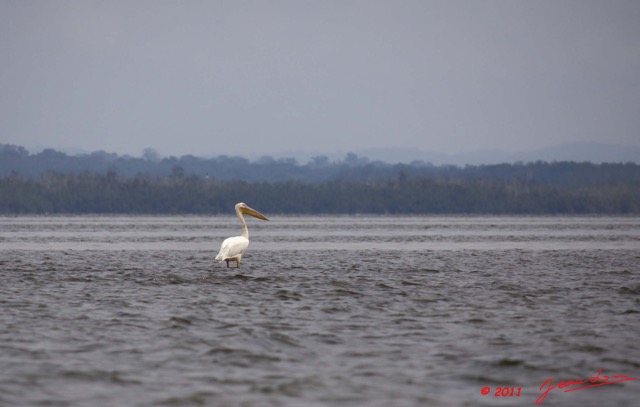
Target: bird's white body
[233,248]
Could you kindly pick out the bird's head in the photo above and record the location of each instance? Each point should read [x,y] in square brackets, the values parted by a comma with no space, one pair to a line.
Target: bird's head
[244,208]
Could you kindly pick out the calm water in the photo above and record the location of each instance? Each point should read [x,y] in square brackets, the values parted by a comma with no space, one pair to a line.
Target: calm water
[325,311]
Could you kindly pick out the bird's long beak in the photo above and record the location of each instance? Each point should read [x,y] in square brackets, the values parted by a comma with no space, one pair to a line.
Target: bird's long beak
[254,213]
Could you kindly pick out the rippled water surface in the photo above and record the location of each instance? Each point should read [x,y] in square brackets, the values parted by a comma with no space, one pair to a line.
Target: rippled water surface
[325,311]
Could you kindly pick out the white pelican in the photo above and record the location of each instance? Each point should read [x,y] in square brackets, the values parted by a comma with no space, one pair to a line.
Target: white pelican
[233,248]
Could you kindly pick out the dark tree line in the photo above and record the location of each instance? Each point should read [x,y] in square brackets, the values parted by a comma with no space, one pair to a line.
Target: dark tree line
[15,159]
[54,182]
[404,194]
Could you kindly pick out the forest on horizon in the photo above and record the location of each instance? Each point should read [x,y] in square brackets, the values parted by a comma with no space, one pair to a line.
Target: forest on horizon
[52,182]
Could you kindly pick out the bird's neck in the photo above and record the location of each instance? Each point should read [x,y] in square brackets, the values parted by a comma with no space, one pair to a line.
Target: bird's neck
[245,230]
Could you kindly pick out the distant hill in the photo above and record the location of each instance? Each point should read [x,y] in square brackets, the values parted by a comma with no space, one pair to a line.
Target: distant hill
[580,151]
[577,151]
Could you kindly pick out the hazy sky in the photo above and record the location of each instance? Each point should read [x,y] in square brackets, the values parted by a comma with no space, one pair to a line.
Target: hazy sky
[234,77]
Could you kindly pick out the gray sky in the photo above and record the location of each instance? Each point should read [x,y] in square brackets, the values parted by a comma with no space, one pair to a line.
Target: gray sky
[258,78]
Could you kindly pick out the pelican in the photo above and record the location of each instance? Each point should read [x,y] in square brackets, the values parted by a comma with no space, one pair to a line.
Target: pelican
[233,248]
